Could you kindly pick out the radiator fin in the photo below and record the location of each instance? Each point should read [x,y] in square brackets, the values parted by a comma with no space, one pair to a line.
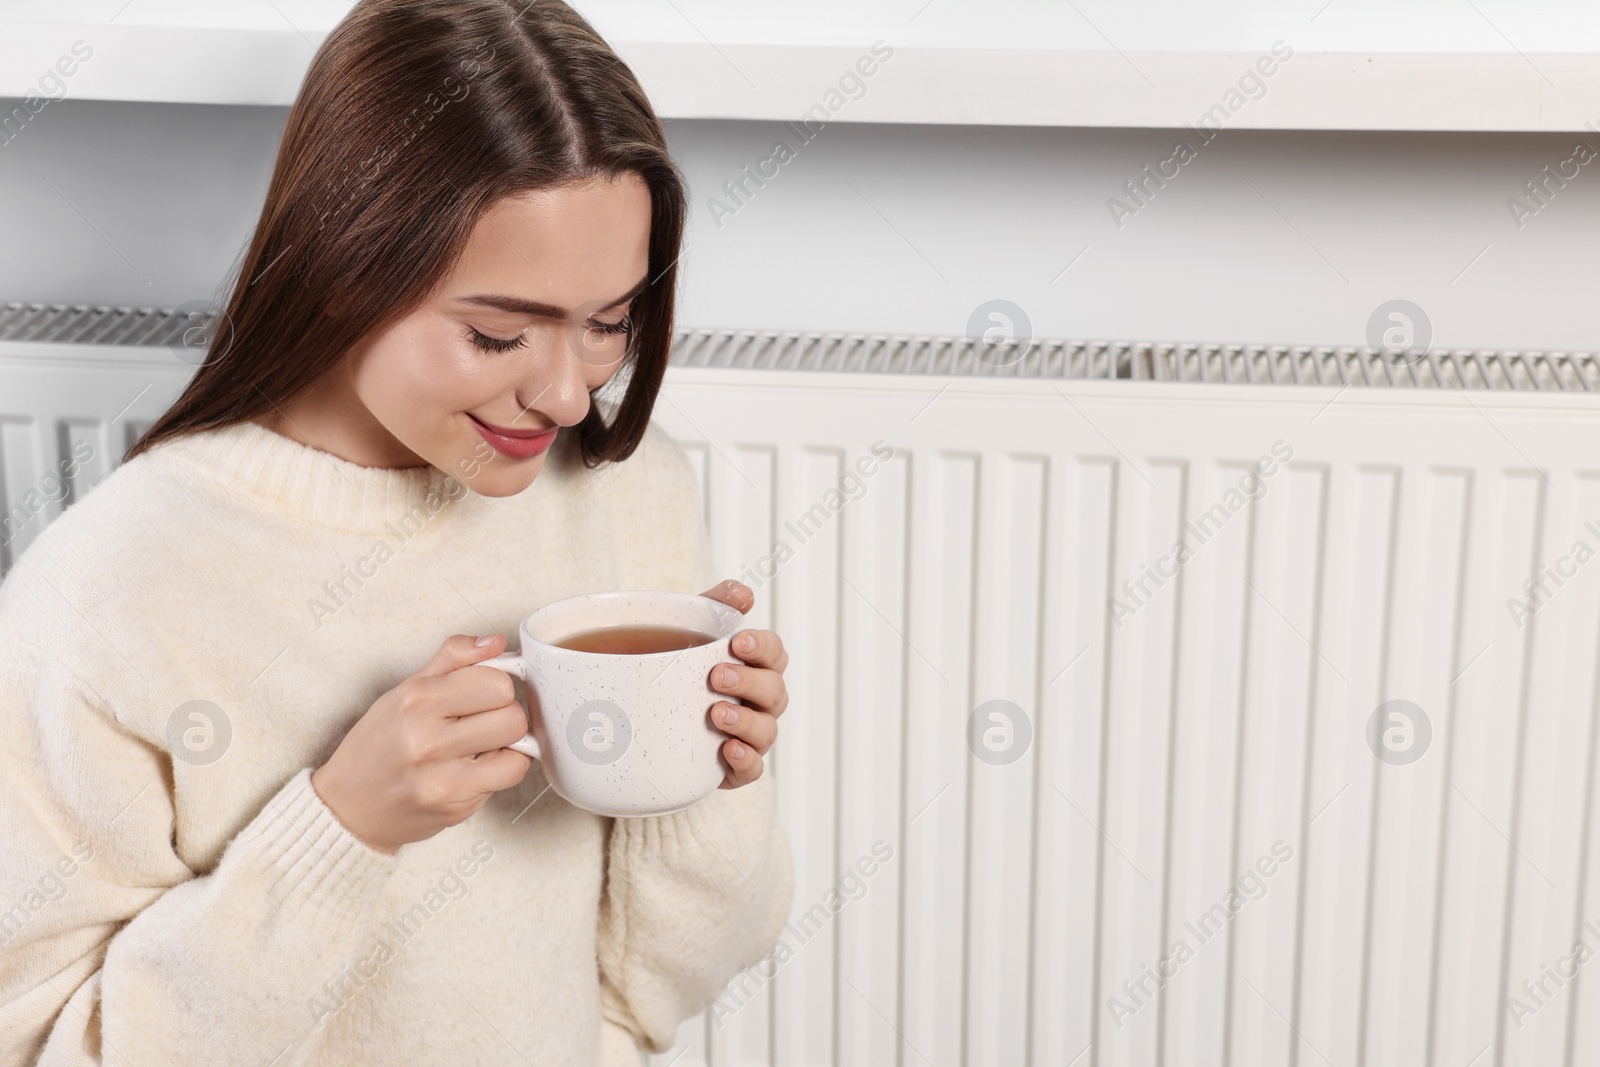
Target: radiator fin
[1159,361]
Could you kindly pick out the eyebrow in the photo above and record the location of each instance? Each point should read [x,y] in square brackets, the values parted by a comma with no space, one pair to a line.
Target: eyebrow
[518,306]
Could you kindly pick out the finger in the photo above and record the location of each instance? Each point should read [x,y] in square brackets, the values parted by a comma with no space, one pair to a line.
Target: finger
[744,764]
[490,772]
[763,648]
[471,735]
[460,650]
[470,690]
[756,728]
[734,594]
[753,685]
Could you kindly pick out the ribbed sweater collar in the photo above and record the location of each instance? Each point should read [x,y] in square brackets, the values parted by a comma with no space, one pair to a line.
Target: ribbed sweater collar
[285,475]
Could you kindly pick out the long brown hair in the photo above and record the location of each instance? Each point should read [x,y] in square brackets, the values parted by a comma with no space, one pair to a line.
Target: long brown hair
[415,117]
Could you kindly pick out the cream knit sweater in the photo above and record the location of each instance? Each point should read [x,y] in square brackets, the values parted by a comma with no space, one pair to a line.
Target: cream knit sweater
[174,892]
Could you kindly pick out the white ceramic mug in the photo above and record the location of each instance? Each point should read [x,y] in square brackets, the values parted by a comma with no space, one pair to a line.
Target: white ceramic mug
[624,735]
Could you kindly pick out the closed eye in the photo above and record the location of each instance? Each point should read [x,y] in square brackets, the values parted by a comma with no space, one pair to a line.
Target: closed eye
[495,344]
[622,326]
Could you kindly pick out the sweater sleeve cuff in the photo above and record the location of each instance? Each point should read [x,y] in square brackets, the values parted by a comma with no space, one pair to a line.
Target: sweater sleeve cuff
[617,1046]
[311,867]
[726,836]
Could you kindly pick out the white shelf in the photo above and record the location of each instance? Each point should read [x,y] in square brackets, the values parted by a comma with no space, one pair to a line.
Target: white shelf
[1356,64]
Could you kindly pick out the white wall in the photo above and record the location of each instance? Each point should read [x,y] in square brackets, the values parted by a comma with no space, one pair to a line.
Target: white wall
[1265,236]
[138,204]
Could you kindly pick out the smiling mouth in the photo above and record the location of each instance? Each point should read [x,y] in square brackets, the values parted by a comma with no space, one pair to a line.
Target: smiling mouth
[524,435]
[518,444]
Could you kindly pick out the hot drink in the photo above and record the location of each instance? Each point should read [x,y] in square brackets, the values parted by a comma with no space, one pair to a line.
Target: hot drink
[618,731]
[634,640]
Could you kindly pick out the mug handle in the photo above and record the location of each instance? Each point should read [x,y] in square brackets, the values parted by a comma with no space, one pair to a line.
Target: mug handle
[511,663]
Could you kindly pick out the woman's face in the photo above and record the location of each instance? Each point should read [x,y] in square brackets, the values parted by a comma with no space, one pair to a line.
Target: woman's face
[533,317]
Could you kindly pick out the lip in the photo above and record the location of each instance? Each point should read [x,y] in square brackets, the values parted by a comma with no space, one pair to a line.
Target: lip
[519,444]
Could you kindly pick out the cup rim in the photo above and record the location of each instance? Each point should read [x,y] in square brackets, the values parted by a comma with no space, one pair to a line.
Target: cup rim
[527,624]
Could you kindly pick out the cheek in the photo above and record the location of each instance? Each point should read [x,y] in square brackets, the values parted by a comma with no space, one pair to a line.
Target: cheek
[417,374]
[594,376]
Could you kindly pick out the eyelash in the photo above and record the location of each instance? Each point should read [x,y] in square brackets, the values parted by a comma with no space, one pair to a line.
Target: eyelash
[496,344]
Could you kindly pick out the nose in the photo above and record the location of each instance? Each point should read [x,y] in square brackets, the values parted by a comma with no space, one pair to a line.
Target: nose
[554,382]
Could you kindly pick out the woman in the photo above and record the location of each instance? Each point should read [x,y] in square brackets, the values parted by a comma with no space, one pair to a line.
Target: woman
[253,810]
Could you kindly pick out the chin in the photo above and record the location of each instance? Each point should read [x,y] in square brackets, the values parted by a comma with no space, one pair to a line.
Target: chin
[511,477]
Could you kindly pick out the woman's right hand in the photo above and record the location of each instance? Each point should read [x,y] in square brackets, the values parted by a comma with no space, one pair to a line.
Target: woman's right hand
[430,751]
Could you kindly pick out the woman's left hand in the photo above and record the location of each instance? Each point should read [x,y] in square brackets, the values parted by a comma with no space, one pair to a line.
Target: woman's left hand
[753,724]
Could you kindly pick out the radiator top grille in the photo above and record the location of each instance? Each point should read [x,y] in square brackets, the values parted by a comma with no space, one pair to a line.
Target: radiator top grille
[1157,361]
[82,325]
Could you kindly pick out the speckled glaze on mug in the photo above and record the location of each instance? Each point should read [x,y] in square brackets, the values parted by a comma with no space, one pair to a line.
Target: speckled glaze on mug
[625,735]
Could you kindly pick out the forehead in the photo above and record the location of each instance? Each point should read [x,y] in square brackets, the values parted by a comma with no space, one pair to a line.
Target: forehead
[567,246]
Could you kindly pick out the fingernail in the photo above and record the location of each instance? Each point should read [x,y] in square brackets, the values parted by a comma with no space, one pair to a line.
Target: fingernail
[730,676]
[747,642]
[738,750]
[484,640]
[730,715]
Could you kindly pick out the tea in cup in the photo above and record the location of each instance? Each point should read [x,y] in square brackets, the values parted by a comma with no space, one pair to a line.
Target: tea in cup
[619,693]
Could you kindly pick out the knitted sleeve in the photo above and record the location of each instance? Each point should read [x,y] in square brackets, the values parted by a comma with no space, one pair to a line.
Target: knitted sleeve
[691,899]
[112,949]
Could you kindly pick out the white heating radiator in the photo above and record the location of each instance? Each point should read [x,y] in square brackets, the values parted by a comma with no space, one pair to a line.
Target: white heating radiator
[1083,897]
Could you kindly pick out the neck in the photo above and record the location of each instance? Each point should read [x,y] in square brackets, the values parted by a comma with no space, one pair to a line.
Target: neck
[331,417]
